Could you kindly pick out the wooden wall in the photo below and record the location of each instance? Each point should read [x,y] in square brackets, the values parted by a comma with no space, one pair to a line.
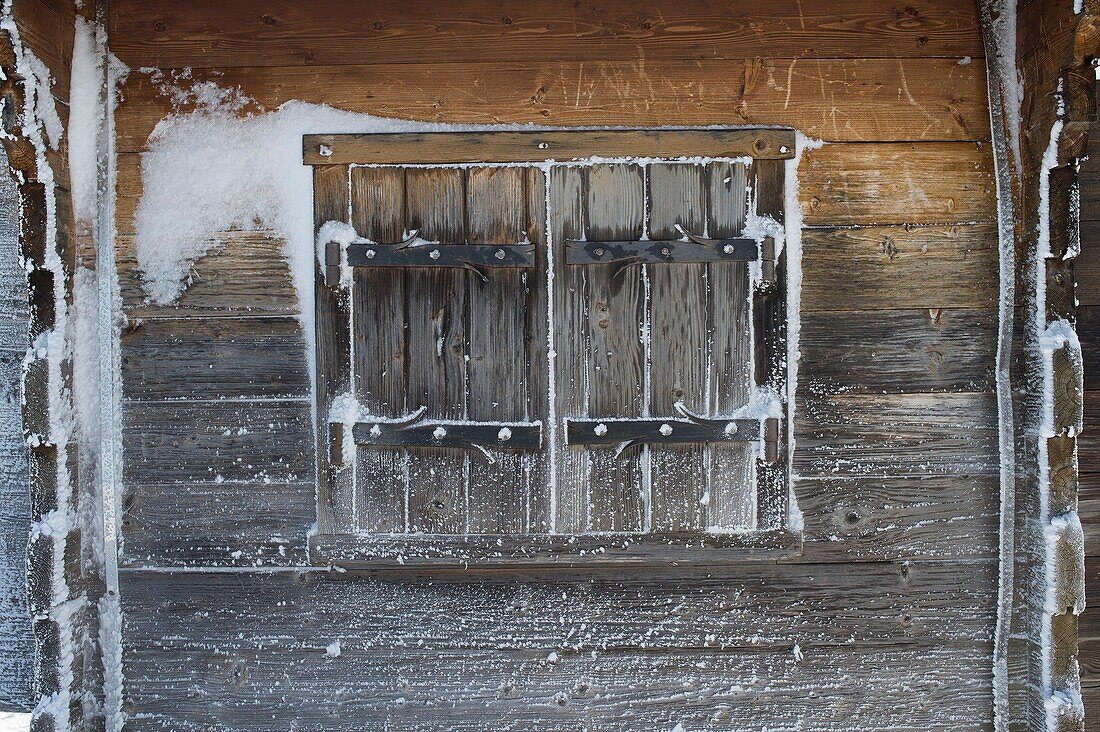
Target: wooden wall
[891,605]
[1087,273]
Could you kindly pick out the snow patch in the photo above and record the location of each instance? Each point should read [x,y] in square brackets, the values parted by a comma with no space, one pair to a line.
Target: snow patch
[333,650]
[85,118]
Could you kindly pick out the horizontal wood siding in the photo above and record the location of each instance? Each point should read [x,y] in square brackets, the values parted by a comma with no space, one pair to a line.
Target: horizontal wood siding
[889,604]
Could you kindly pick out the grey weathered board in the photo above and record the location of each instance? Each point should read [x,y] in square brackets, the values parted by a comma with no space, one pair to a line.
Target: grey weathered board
[890,647]
[627,342]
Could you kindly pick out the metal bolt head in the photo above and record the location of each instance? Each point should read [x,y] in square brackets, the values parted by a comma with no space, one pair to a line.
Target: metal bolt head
[375,431]
[599,252]
[499,254]
[731,428]
[434,254]
[370,254]
[666,251]
[504,435]
[600,429]
[666,429]
[439,433]
[728,249]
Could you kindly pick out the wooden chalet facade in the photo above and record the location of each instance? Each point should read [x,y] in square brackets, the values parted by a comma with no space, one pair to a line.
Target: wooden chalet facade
[552,365]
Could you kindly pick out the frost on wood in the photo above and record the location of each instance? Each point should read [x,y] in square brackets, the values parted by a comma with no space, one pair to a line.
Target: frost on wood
[16,639]
[41,126]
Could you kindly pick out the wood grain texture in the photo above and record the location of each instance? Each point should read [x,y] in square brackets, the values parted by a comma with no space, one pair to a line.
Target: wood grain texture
[506,146]
[730,475]
[768,182]
[888,267]
[898,351]
[180,359]
[224,440]
[679,346]
[496,213]
[868,519]
[245,274]
[572,554]
[618,486]
[435,312]
[833,100]
[932,183]
[283,33]
[895,435]
[380,347]
[490,655]
[217,524]
[567,199]
[332,340]
[540,501]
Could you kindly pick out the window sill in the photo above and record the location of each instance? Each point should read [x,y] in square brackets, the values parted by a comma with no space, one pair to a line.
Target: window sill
[408,551]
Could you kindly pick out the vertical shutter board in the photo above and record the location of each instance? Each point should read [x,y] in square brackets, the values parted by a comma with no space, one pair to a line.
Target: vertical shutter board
[538,369]
[435,315]
[678,345]
[615,309]
[568,212]
[731,473]
[335,489]
[496,210]
[770,316]
[378,316]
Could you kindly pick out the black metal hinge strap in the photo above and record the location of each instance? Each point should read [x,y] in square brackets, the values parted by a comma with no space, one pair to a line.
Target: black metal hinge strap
[660,251]
[415,431]
[414,252]
[628,433]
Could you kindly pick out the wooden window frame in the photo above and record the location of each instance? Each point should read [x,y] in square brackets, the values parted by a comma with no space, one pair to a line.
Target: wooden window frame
[331,153]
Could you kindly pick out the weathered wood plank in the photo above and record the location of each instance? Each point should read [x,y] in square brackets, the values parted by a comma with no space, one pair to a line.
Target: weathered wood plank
[214,358]
[899,183]
[1088,442]
[895,435]
[730,479]
[751,606]
[568,204]
[932,517]
[378,322]
[224,440]
[496,212]
[217,524]
[618,486]
[284,33]
[889,689]
[830,99]
[506,146]
[521,655]
[572,553]
[767,179]
[886,267]
[245,274]
[894,351]
[679,347]
[435,312]
[335,485]
[540,503]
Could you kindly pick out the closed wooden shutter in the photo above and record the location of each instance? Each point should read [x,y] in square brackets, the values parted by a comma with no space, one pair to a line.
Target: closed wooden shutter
[547,358]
